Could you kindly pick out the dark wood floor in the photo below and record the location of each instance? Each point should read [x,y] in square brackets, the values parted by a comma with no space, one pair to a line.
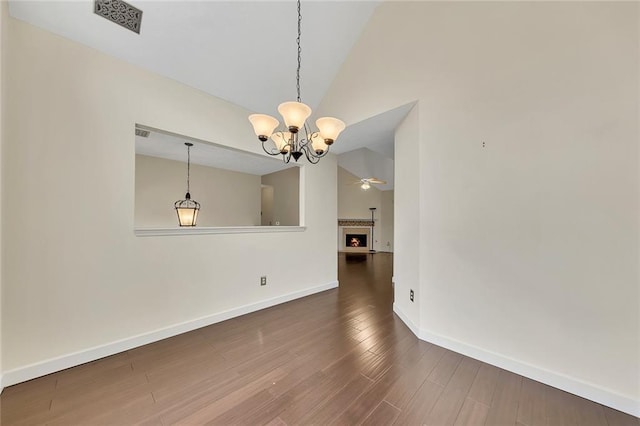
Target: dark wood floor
[338,357]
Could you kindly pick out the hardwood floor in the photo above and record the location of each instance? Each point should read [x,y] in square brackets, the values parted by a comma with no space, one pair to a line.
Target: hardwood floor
[338,357]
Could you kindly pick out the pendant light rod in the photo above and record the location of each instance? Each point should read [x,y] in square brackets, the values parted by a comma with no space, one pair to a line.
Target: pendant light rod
[189,145]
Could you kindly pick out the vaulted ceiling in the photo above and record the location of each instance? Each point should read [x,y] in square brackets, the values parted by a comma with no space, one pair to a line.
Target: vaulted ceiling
[240,51]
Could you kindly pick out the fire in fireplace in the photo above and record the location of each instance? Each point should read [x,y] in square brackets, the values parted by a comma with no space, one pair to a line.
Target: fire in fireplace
[356,240]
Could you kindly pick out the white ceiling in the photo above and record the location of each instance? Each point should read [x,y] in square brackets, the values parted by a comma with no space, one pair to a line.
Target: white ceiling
[376,133]
[171,147]
[241,51]
[366,163]
[367,148]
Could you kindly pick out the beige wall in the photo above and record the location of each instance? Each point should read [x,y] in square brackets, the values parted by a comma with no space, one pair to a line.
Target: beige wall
[385,228]
[528,252]
[266,206]
[226,198]
[285,207]
[354,203]
[4,19]
[77,277]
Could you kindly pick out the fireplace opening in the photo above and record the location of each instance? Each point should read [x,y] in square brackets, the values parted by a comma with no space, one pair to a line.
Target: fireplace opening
[356,240]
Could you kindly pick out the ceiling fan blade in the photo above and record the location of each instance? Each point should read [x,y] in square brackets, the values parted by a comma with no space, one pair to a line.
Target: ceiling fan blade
[378,181]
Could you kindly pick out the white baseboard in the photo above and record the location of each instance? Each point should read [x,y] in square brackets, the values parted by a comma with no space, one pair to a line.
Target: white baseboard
[405,319]
[49,366]
[561,381]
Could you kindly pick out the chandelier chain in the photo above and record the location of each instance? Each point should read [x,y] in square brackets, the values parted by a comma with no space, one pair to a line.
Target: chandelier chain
[188,166]
[299,52]
[299,140]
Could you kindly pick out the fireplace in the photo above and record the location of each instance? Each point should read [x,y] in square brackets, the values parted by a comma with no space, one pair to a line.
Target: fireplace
[356,239]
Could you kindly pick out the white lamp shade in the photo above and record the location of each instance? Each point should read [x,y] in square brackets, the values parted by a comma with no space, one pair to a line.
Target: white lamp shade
[187,216]
[365,185]
[294,114]
[187,210]
[282,139]
[317,142]
[263,124]
[330,128]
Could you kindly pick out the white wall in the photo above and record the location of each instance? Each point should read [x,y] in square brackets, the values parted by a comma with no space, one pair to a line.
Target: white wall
[528,246]
[4,19]
[286,196]
[77,277]
[226,198]
[354,203]
[407,223]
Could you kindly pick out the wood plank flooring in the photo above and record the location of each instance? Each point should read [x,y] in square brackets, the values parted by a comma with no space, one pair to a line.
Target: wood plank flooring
[339,357]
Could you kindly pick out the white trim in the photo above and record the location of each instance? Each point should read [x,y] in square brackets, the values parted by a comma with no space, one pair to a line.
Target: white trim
[42,368]
[155,232]
[567,383]
[405,319]
[1,384]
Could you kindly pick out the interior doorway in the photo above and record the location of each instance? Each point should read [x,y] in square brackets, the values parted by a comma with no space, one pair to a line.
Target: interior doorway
[266,206]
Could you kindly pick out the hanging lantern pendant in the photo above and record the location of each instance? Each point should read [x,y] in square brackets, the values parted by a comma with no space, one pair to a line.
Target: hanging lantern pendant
[187,209]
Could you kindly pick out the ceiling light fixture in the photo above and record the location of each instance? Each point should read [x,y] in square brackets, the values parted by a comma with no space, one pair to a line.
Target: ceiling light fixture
[187,209]
[365,183]
[289,143]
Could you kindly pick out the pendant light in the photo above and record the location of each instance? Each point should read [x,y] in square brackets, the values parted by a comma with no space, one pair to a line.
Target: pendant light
[187,209]
[297,139]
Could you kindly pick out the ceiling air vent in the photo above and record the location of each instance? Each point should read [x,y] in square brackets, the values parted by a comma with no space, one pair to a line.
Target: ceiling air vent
[119,12]
[142,133]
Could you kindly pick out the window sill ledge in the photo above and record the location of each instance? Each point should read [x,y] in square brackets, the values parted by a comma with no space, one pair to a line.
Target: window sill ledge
[158,232]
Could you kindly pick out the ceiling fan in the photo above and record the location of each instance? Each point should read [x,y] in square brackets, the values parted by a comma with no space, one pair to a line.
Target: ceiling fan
[365,183]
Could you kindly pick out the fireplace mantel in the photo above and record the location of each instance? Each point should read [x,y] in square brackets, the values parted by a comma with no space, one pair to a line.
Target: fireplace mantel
[355,222]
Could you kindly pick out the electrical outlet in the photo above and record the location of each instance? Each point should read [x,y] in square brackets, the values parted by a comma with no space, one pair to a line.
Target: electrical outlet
[263,280]
[411,295]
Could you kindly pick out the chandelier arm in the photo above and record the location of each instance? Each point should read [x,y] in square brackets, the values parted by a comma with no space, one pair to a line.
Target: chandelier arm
[307,145]
[310,157]
[324,153]
[303,143]
[272,152]
[307,131]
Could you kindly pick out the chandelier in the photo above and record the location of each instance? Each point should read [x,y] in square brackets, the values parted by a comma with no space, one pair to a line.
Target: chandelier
[187,209]
[297,139]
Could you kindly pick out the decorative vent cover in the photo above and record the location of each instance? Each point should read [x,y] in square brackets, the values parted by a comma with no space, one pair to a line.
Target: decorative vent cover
[143,133]
[119,12]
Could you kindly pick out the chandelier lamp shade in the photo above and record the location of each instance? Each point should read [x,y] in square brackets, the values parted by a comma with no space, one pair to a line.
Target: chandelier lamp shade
[187,209]
[297,139]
